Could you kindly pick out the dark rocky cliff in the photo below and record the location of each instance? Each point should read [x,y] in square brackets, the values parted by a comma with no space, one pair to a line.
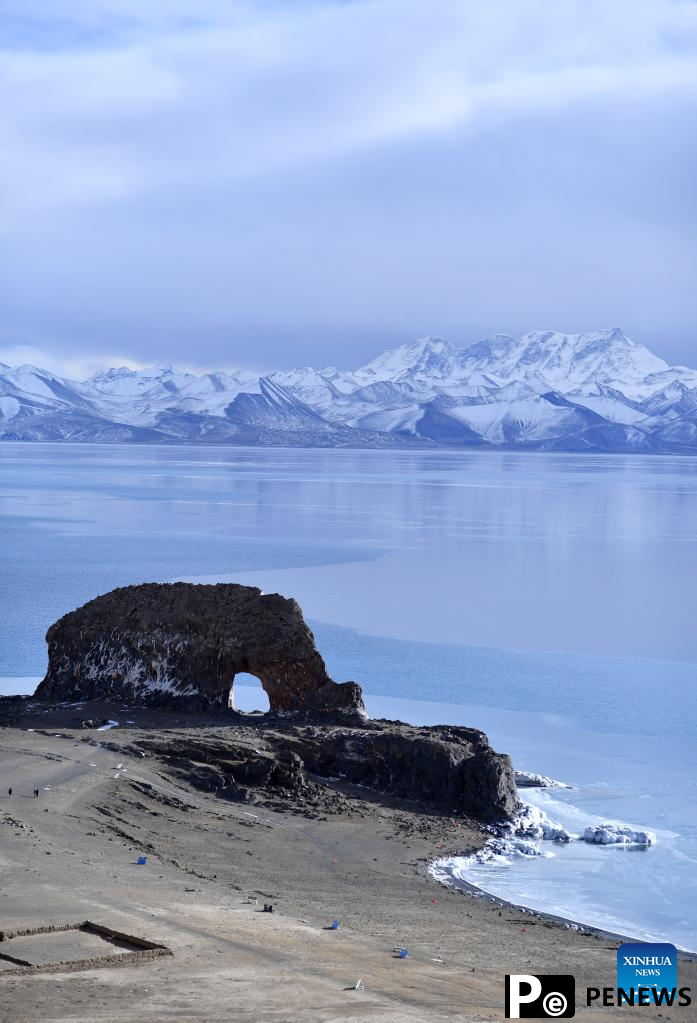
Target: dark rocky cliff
[181,645]
[442,768]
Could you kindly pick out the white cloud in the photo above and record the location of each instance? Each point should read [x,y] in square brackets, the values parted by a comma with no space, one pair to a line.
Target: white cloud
[82,366]
[303,84]
[71,367]
[177,147]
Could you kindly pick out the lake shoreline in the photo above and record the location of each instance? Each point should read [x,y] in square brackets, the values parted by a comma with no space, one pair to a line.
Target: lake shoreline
[476,891]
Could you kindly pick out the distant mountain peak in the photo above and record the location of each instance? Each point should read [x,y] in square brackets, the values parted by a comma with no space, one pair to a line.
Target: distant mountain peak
[415,355]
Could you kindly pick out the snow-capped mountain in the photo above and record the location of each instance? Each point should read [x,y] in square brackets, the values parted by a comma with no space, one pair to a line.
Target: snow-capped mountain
[597,391]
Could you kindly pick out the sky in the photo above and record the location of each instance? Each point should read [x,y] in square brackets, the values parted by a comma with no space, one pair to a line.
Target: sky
[277,183]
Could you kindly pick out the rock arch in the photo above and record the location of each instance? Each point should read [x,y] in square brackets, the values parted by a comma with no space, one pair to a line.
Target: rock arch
[181,645]
[254,696]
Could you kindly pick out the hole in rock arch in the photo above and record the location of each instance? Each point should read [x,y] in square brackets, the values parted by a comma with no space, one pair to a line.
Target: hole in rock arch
[247,694]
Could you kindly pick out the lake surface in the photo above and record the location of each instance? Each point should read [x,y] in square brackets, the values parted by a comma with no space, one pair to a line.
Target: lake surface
[549,599]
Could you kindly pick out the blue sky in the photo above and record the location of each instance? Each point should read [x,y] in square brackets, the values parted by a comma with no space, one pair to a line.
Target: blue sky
[273,184]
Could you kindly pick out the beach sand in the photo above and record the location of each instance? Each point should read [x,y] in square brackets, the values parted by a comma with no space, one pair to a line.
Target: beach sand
[71,855]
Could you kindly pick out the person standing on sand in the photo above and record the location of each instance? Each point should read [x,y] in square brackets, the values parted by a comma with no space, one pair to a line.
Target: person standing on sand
[9,792]
[36,793]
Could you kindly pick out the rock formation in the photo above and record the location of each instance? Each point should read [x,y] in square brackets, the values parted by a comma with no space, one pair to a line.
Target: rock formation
[448,769]
[181,645]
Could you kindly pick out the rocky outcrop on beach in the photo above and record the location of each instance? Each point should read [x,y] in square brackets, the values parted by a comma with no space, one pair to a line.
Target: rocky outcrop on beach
[180,645]
[452,770]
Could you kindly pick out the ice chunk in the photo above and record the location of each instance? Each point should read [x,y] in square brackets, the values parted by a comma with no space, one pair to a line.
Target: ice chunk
[532,822]
[617,834]
[528,780]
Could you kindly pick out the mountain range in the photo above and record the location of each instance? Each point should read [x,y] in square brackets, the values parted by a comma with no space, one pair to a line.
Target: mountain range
[597,391]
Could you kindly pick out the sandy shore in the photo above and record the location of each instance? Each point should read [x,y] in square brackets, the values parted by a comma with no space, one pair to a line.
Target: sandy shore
[71,855]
